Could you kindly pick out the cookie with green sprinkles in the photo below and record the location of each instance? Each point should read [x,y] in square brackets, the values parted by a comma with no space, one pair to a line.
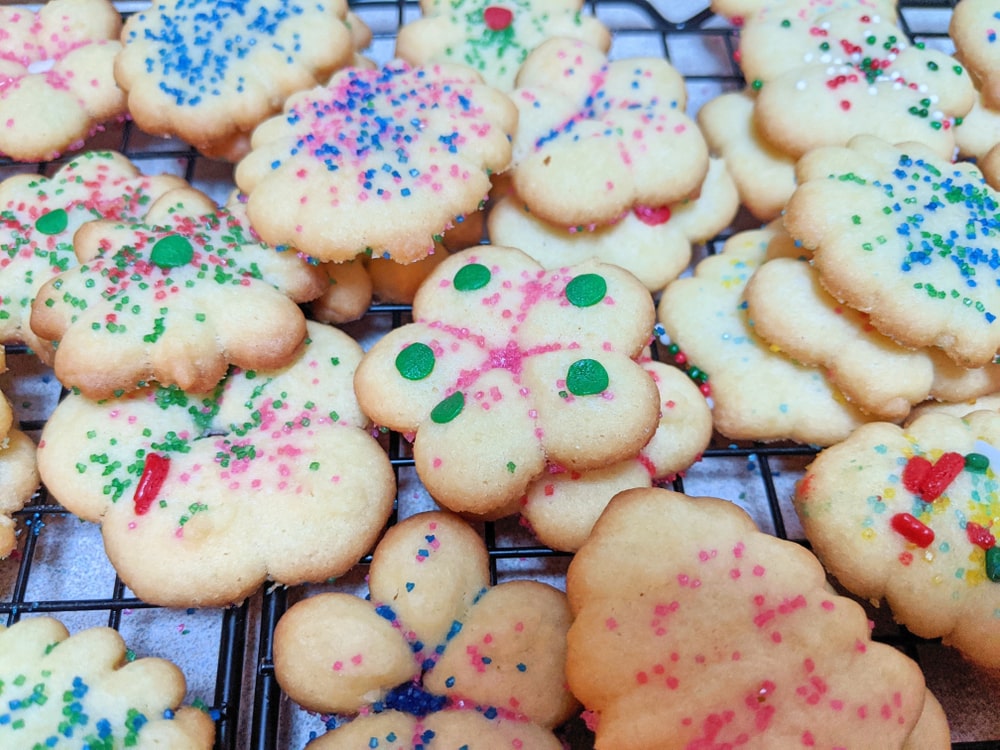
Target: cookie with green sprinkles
[39,216]
[202,497]
[434,657]
[86,690]
[174,298]
[508,367]
[910,515]
[906,237]
[494,38]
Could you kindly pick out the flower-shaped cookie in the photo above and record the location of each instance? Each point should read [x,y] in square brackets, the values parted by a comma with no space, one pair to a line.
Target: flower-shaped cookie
[203,497]
[653,244]
[973,28]
[174,299]
[82,691]
[693,629]
[494,38]
[851,72]
[911,514]
[40,215]
[436,658]
[506,367]
[57,83]
[758,393]
[379,161]
[18,471]
[596,138]
[210,72]
[907,237]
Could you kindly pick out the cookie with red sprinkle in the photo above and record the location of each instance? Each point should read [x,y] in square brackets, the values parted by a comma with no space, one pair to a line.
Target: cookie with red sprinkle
[57,84]
[909,515]
[201,497]
[508,367]
[175,299]
[378,162]
[494,38]
[40,215]
[435,657]
[597,138]
[86,689]
[693,629]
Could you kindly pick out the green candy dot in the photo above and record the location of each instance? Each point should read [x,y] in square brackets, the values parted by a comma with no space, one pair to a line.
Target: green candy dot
[993,564]
[53,222]
[415,362]
[977,463]
[586,377]
[586,289]
[172,251]
[471,277]
[449,408]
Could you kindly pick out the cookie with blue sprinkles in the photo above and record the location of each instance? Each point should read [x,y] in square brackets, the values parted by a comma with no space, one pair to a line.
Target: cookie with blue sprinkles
[209,72]
[85,690]
[906,237]
[435,657]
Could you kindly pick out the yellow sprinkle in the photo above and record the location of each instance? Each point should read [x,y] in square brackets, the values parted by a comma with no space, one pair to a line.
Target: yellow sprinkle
[868,534]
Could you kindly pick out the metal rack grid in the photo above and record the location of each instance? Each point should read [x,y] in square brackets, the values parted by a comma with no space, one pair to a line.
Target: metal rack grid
[59,567]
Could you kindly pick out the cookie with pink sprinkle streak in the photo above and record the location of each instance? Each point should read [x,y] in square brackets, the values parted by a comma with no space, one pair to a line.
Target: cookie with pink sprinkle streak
[436,657]
[508,367]
[597,138]
[910,515]
[39,216]
[694,630]
[202,497]
[494,38]
[175,298]
[378,162]
[57,84]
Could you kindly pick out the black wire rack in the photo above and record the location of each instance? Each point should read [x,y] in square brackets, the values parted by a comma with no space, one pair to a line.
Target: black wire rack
[59,566]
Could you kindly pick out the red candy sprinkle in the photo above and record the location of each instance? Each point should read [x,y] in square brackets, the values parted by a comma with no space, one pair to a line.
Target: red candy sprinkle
[913,530]
[928,480]
[154,471]
[652,216]
[979,535]
[497,18]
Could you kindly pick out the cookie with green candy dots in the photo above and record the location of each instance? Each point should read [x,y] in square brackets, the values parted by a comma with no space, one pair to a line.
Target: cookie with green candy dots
[57,69]
[210,73]
[764,176]
[435,657]
[85,689]
[494,38]
[597,138]
[653,244]
[849,73]
[909,515]
[692,628]
[508,367]
[39,216]
[202,497]
[907,238]
[562,507]
[377,162]
[175,299]
[757,393]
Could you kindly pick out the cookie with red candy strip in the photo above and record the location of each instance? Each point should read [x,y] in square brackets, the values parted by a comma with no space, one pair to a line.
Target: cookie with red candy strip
[57,73]
[909,515]
[692,628]
[202,497]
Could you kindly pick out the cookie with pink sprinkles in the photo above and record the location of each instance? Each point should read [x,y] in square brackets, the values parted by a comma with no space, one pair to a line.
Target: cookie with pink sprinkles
[435,657]
[507,368]
[693,629]
[39,217]
[57,84]
[175,298]
[598,138]
[379,161]
[202,497]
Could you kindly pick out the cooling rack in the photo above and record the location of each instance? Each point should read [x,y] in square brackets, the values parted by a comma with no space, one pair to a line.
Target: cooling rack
[59,567]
